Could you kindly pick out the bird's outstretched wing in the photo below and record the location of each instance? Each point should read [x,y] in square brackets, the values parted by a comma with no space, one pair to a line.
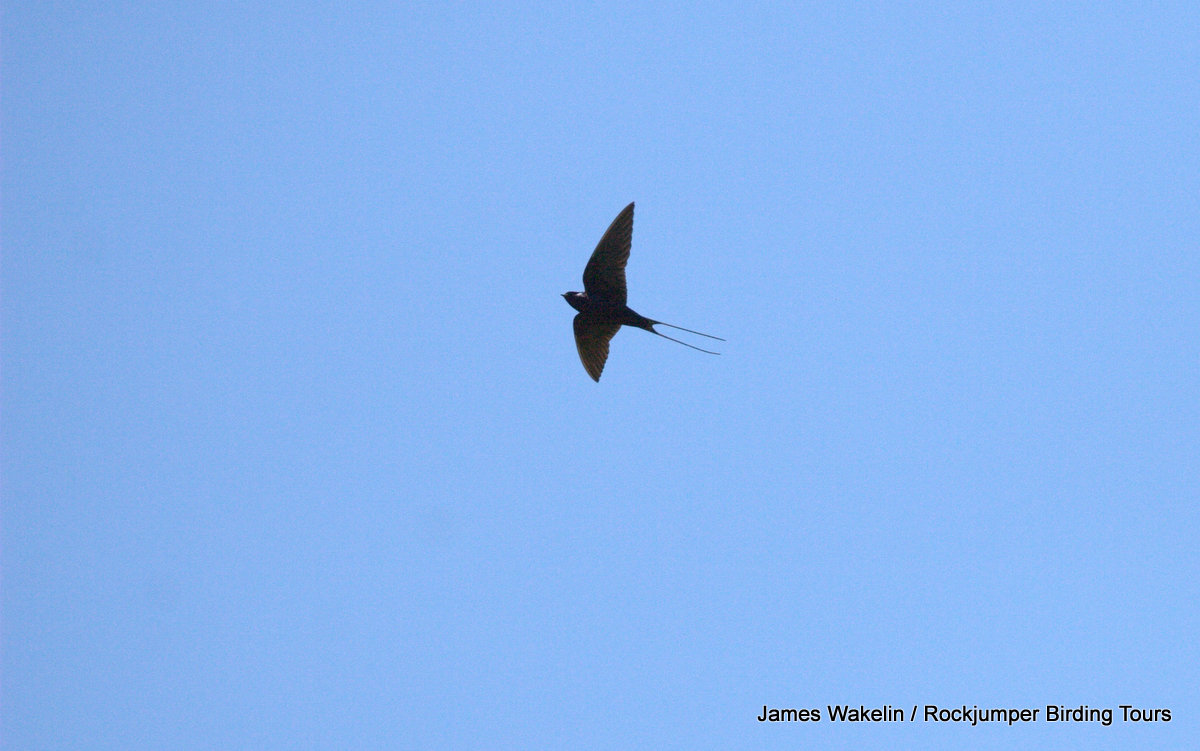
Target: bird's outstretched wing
[592,335]
[604,275]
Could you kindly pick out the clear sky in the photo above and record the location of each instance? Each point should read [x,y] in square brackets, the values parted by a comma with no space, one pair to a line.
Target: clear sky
[298,452]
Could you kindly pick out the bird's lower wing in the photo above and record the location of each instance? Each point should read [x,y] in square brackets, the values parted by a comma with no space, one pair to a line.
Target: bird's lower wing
[592,335]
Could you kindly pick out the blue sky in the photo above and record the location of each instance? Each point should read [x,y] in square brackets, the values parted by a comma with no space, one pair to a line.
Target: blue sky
[298,452]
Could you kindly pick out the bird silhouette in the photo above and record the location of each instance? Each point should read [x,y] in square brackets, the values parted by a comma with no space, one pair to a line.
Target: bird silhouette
[601,306]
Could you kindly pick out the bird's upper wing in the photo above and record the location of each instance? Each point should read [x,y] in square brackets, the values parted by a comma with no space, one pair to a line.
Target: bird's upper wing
[592,335]
[604,275]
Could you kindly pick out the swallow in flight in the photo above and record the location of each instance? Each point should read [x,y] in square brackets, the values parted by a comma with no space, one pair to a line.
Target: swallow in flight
[601,306]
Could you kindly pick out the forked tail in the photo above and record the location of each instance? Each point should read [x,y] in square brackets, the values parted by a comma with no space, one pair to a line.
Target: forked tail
[698,333]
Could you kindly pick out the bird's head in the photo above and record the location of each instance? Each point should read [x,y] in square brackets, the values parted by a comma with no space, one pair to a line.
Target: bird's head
[575,299]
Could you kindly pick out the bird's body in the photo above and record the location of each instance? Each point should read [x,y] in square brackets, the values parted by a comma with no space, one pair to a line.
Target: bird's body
[605,310]
[602,308]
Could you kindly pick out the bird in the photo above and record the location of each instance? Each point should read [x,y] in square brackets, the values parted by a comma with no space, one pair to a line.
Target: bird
[601,306]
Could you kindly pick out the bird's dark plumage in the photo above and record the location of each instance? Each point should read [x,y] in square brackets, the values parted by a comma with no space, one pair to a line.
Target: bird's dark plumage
[601,306]
[604,275]
[592,335]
